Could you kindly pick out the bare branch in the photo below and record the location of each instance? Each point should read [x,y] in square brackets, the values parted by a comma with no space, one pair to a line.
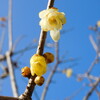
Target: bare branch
[2,57]
[5,73]
[17,41]
[2,40]
[11,73]
[93,43]
[90,77]
[75,93]
[92,65]
[31,85]
[92,89]
[41,42]
[51,74]
[8,98]
[10,25]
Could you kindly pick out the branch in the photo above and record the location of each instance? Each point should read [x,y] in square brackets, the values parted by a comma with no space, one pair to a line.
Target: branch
[2,57]
[31,85]
[51,74]
[92,89]
[75,93]
[11,73]
[93,43]
[8,98]
[92,65]
[2,40]
[90,77]
[5,73]
[10,24]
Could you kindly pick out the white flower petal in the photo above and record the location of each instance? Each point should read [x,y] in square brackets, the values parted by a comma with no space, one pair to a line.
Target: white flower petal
[44,24]
[42,13]
[55,35]
[46,12]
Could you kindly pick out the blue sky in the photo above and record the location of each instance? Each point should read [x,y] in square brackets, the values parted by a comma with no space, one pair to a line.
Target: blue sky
[80,15]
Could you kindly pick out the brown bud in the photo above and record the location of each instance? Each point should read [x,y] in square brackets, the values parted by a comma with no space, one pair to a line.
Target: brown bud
[26,72]
[3,19]
[79,79]
[49,57]
[53,8]
[39,80]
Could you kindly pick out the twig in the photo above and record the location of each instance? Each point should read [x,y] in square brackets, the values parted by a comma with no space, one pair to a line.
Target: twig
[8,53]
[75,93]
[31,85]
[93,43]
[92,65]
[2,57]
[5,73]
[8,98]
[2,40]
[51,74]
[17,41]
[41,42]
[92,89]
[10,24]
[90,77]
[11,73]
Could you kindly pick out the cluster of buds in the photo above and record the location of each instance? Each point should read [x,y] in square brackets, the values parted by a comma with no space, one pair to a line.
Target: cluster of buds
[38,66]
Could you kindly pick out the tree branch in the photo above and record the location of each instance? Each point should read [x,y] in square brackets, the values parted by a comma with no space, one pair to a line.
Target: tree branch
[8,98]
[92,65]
[31,85]
[51,74]
[11,73]
[92,89]
[10,24]
[2,40]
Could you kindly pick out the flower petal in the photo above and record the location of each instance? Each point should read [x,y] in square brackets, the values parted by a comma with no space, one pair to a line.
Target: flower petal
[55,35]
[43,13]
[44,24]
[62,17]
[46,12]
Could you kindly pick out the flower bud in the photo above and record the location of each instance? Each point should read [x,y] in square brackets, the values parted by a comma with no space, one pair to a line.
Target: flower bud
[39,80]
[49,57]
[38,65]
[26,72]
[3,19]
[69,72]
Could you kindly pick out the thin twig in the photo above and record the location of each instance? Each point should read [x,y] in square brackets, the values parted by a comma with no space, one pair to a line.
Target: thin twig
[8,53]
[11,73]
[92,65]
[90,77]
[2,57]
[75,93]
[51,74]
[5,71]
[8,98]
[10,24]
[31,85]
[93,43]
[91,90]
[2,39]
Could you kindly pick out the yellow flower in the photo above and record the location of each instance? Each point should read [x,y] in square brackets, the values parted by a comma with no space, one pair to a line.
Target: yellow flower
[38,65]
[52,20]
[55,35]
[98,23]
[68,72]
